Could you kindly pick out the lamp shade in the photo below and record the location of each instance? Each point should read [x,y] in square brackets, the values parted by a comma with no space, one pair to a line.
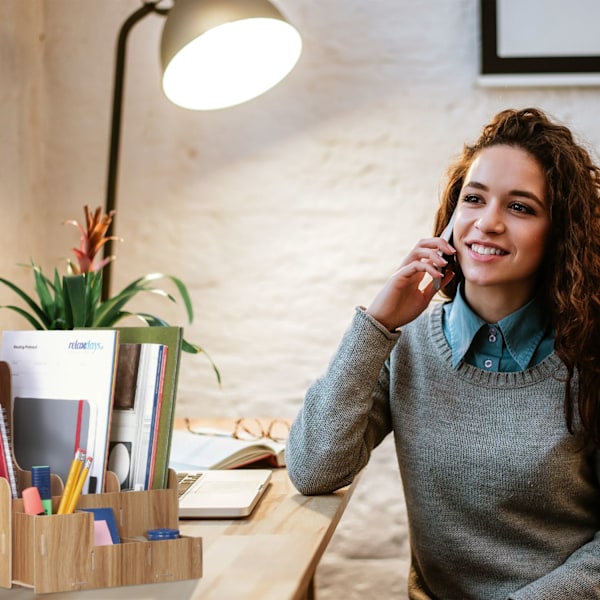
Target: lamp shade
[219,53]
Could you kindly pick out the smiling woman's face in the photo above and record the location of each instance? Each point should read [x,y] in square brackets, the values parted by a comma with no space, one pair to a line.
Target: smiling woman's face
[502,223]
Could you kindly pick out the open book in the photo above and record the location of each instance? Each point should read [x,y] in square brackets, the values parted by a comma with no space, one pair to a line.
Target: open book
[191,451]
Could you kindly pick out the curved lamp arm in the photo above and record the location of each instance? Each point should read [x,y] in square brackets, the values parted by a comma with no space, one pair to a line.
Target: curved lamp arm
[115,130]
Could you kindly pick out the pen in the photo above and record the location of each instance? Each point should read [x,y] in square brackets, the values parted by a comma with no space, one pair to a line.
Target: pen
[79,486]
[72,477]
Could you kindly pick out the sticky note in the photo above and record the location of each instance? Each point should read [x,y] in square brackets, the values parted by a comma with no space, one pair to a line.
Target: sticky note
[107,515]
[102,535]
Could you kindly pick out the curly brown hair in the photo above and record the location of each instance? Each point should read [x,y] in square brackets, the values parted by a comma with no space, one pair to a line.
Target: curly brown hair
[569,277]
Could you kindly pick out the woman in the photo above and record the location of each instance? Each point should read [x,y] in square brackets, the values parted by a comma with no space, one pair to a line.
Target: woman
[492,396]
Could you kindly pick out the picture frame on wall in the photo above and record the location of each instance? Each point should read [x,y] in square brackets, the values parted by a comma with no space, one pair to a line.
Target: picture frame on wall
[533,43]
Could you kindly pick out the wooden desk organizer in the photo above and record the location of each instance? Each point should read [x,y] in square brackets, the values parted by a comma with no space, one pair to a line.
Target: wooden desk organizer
[56,553]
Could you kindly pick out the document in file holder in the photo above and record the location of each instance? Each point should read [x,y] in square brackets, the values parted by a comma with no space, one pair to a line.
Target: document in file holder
[46,430]
[225,494]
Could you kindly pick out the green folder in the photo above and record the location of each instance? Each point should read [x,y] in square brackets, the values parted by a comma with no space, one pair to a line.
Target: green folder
[172,337]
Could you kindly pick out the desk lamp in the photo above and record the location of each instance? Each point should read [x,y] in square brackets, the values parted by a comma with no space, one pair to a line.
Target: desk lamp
[215,54]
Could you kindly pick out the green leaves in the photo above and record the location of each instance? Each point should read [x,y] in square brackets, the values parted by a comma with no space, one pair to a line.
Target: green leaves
[74,301]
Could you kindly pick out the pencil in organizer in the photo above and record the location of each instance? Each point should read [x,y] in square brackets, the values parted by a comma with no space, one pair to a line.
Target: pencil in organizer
[72,477]
[79,486]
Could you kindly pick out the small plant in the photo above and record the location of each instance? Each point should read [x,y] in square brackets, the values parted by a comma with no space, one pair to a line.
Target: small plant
[74,300]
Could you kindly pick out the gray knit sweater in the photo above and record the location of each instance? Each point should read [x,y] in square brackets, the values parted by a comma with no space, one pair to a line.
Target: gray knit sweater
[501,504]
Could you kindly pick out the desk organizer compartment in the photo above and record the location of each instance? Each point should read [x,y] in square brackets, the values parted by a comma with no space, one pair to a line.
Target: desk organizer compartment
[56,553]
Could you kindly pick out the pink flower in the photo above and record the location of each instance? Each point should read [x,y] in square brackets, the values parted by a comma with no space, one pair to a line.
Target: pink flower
[91,242]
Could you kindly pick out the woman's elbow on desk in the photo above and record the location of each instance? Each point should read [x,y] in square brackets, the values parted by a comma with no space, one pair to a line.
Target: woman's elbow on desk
[317,463]
[315,486]
[313,479]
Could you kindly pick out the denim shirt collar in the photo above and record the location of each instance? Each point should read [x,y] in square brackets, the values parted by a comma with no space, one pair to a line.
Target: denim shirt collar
[522,330]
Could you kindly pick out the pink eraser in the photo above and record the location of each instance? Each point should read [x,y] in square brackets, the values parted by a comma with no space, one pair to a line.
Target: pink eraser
[32,503]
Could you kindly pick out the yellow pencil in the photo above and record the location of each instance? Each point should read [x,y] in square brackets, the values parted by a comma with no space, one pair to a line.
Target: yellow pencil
[74,471]
[79,486]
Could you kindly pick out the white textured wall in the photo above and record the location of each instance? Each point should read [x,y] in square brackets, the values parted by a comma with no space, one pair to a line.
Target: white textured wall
[281,215]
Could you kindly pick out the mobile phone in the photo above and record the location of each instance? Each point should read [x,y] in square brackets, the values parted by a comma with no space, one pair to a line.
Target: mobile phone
[445,235]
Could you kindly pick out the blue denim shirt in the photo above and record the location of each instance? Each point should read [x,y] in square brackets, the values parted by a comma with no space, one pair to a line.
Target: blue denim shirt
[520,340]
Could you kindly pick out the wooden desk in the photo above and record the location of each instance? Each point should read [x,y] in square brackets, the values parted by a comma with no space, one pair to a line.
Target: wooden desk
[272,555]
